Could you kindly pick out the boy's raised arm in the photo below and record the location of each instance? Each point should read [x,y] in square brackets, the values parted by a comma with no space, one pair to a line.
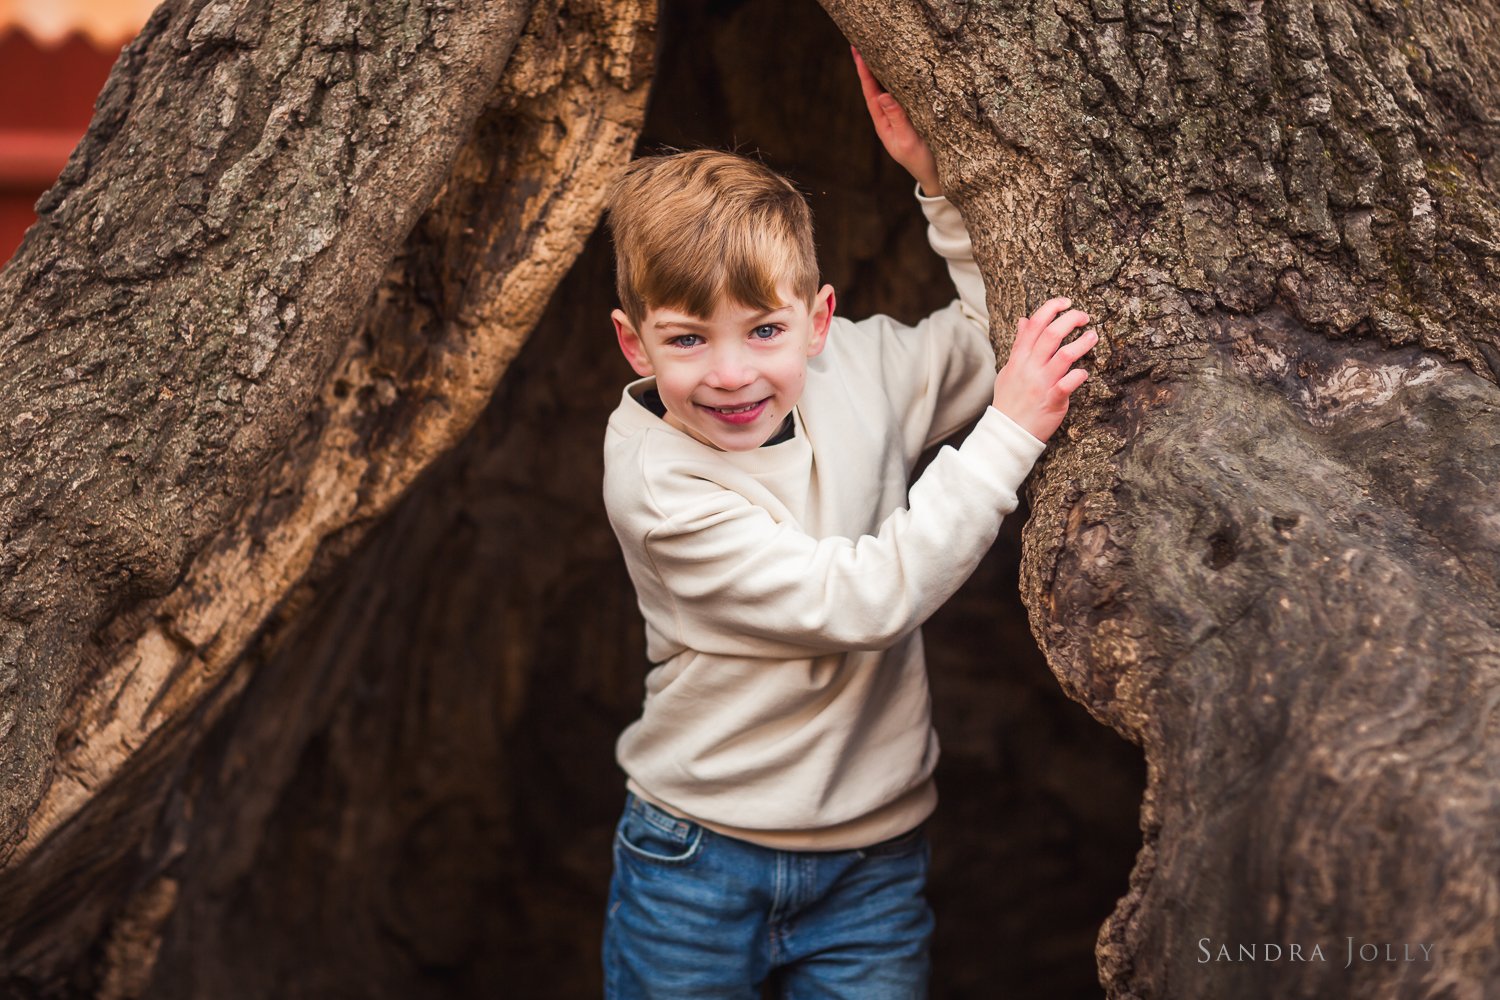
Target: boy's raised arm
[946,231]
[900,138]
[939,372]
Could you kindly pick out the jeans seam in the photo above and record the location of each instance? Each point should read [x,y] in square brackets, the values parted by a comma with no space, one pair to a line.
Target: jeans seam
[775,918]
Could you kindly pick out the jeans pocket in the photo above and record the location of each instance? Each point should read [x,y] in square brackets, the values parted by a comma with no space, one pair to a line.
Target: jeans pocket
[657,836]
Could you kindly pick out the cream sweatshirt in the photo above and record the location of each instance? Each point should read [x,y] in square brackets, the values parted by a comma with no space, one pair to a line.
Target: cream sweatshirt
[784,588]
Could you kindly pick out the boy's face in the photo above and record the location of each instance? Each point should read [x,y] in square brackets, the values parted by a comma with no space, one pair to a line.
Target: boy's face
[729,379]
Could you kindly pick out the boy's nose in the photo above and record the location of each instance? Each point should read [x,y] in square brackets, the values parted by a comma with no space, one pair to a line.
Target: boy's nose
[730,372]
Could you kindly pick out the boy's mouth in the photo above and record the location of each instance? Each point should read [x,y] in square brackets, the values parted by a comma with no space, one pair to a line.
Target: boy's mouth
[741,414]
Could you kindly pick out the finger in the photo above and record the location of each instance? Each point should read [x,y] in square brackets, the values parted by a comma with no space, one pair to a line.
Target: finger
[1028,330]
[868,85]
[893,109]
[1072,381]
[1048,311]
[1060,327]
[1069,353]
[885,112]
[874,105]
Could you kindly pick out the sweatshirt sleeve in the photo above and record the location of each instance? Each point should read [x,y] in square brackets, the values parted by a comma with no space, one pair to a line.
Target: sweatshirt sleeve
[742,583]
[940,374]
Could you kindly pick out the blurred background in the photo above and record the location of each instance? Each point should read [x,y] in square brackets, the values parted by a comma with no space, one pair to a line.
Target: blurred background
[446,830]
[54,56]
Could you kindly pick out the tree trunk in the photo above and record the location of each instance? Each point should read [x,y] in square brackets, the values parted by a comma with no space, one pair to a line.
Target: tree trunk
[1265,544]
[280,276]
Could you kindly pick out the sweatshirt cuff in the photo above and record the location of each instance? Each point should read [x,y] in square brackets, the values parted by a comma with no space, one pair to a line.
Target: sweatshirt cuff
[1002,450]
[946,230]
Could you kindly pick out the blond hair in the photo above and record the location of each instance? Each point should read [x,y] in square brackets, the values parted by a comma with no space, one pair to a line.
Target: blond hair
[691,229]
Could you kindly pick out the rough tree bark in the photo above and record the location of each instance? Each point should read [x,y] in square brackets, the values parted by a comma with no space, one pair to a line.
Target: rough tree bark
[1265,546]
[281,274]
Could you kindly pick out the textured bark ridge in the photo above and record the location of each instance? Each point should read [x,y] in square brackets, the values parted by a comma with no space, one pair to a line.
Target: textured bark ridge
[1264,545]
[282,273]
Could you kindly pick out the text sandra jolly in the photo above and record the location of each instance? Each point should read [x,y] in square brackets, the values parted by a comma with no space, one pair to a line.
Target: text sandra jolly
[1292,951]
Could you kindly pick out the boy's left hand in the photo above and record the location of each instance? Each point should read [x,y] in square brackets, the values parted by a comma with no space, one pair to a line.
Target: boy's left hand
[896,132]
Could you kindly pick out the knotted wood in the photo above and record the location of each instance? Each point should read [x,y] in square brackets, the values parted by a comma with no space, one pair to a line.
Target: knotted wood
[281,275]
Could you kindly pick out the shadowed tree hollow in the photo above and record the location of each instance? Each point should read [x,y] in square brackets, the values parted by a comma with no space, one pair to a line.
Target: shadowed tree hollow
[282,717]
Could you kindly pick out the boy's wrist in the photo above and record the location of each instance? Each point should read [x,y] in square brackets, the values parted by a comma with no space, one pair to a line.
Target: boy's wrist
[1038,443]
[929,188]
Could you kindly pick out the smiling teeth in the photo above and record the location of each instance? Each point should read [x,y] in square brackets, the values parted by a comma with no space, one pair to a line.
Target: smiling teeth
[738,409]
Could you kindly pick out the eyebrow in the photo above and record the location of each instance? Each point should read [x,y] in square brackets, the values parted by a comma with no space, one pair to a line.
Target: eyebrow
[691,325]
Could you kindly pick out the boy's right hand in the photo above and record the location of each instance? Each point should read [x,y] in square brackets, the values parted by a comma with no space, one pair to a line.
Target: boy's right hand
[1033,387]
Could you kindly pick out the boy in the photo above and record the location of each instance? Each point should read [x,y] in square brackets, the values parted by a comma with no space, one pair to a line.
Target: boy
[779,777]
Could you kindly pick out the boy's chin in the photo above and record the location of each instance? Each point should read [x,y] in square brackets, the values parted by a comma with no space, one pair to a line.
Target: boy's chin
[725,439]
[729,442]
[741,445]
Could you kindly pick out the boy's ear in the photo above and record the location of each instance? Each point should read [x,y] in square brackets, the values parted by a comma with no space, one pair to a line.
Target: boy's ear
[630,344]
[822,320]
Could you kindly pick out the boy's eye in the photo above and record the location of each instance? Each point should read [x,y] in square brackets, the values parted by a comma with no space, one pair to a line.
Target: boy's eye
[685,339]
[765,332]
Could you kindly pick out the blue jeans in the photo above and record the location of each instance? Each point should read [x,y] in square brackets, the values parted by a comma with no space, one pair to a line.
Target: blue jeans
[696,915]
